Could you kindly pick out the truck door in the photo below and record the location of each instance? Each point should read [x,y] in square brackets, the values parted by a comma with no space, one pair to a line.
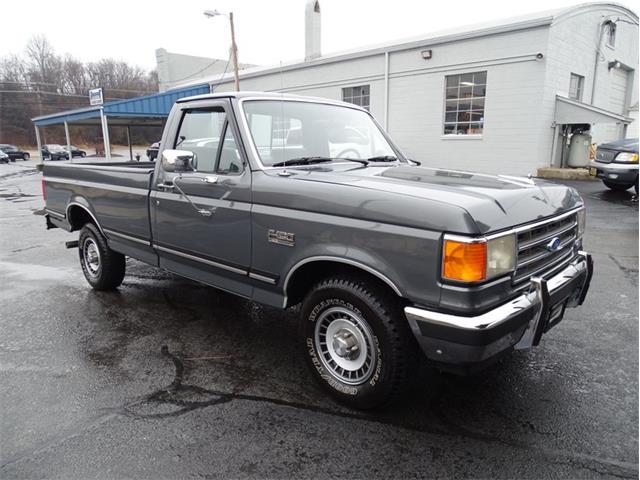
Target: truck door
[201,218]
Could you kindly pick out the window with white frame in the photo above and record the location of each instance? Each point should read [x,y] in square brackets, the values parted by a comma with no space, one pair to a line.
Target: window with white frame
[576,87]
[357,95]
[464,103]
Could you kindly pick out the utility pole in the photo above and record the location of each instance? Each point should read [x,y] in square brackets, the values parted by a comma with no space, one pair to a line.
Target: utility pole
[234,47]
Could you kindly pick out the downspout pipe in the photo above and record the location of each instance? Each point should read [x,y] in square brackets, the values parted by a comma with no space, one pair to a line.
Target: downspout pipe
[386,91]
[597,58]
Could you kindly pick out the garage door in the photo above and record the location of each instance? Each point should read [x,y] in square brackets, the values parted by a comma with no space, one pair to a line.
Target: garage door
[618,90]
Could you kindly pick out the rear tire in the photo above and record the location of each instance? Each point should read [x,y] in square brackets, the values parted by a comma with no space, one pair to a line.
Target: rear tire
[26,157]
[103,268]
[357,341]
[616,187]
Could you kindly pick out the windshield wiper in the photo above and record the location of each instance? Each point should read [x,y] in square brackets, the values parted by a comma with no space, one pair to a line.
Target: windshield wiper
[390,158]
[383,158]
[312,160]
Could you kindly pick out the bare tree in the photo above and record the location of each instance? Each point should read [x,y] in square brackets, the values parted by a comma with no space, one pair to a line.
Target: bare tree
[41,82]
[43,64]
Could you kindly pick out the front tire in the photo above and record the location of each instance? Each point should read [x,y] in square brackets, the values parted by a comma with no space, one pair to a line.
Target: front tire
[358,344]
[616,187]
[26,157]
[103,268]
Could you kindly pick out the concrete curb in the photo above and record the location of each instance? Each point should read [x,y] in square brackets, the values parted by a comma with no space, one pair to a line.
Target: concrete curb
[565,173]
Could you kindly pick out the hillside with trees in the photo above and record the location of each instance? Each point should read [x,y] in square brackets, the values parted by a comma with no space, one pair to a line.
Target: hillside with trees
[41,81]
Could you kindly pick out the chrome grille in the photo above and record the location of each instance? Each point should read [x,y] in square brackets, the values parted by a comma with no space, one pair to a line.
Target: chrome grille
[534,258]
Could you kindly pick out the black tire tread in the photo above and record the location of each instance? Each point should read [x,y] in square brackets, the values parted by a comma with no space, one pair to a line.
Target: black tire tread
[385,304]
[113,264]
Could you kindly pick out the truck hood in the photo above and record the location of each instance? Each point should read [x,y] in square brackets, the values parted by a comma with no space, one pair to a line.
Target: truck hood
[494,202]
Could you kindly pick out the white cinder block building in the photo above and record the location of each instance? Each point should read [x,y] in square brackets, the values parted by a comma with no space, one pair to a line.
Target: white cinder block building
[503,97]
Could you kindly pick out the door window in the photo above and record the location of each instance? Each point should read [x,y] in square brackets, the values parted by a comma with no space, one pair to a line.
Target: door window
[230,161]
[200,133]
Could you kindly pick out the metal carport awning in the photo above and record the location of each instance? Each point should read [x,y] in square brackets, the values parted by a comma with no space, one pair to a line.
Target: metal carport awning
[148,110]
[569,111]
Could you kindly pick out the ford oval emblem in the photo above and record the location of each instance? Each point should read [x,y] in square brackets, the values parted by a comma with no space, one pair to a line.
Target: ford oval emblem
[554,245]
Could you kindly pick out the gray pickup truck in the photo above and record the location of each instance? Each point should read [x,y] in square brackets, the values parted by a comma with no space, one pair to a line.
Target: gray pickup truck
[291,200]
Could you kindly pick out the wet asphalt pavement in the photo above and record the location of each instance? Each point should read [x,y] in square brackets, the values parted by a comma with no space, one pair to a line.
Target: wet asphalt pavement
[167,378]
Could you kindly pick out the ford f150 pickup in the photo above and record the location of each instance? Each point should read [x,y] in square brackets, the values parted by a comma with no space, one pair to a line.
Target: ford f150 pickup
[291,200]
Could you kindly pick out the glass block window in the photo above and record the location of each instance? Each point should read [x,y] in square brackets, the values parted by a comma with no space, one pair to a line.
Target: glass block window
[464,103]
[357,95]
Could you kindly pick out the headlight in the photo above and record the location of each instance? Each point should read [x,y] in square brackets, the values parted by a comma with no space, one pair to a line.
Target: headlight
[627,157]
[478,259]
[582,221]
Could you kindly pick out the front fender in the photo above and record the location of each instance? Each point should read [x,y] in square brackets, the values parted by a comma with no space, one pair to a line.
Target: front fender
[347,255]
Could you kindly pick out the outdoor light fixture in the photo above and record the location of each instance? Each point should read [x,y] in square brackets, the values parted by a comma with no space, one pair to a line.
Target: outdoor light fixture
[211,13]
[426,54]
[614,64]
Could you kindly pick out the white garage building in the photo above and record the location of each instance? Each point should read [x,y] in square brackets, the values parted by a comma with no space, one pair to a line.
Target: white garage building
[503,97]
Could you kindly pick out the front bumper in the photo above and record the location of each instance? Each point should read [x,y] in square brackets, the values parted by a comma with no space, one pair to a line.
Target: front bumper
[619,173]
[463,344]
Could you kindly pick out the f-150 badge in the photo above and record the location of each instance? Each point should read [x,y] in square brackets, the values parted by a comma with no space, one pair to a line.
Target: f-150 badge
[281,238]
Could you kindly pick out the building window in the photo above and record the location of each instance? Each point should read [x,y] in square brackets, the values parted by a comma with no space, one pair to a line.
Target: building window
[464,103]
[611,34]
[357,95]
[576,86]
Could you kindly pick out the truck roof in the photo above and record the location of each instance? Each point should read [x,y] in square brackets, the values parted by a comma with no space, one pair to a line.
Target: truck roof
[265,95]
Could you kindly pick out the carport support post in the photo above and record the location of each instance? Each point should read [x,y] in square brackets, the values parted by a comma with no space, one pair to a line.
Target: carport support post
[105,134]
[39,142]
[66,132]
[129,142]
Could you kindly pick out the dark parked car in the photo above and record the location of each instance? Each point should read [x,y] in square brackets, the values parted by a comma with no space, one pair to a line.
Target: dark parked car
[4,158]
[14,153]
[616,164]
[54,151]
[152,151]
[75,151]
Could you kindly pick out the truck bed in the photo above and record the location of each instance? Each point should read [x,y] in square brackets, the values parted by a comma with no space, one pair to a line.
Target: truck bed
[115,193]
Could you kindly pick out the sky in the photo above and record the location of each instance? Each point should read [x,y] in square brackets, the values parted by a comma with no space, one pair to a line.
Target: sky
[267,31]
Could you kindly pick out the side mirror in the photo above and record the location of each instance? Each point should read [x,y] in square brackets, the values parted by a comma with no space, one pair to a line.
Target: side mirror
[178,161]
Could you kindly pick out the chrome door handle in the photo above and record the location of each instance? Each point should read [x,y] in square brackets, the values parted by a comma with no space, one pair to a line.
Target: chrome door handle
[210,179]
[166,186]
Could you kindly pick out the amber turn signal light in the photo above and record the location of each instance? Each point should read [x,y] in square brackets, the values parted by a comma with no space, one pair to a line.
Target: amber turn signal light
[465,262]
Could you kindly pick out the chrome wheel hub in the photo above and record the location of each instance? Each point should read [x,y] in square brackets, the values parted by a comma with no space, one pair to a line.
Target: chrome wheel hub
[91,255]
[344,342]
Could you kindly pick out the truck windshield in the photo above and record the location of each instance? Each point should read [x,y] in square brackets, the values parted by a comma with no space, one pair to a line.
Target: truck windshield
[283,130]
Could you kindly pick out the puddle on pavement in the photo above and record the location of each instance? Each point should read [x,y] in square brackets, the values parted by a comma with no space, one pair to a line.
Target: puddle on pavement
[619,198]
[32,272]
[15,195]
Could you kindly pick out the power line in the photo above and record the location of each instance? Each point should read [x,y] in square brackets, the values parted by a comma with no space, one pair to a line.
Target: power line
[200,71]
[27,84]
[223,73]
